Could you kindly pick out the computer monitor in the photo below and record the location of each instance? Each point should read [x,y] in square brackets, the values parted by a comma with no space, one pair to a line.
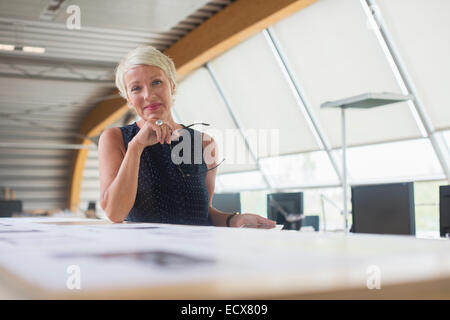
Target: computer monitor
[227,202]
[311,221]
[384,209]
[8,207]
[291,202]
[444,210]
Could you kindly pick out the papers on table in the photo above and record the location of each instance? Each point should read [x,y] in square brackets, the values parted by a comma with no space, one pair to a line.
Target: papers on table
[49,253]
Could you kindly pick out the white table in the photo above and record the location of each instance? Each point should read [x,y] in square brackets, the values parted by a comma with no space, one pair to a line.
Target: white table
[157,261]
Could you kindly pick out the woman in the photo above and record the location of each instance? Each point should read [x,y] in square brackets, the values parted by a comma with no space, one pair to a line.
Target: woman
[139,181]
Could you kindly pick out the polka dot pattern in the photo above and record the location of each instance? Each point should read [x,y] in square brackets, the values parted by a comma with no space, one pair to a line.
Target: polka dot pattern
[164,195]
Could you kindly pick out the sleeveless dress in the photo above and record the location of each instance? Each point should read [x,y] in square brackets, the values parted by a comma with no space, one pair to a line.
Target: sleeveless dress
[164,195]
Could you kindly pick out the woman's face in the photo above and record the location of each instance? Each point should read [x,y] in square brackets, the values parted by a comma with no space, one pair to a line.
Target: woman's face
[149,91]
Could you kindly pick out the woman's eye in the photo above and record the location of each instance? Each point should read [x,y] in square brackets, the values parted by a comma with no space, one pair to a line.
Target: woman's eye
[156,82]
[134,89]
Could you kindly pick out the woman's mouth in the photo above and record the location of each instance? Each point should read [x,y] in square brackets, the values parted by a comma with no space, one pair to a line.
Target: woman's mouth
[152,107]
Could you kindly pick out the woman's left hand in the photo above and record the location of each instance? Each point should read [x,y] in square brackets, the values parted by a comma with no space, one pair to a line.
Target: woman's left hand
[250,220]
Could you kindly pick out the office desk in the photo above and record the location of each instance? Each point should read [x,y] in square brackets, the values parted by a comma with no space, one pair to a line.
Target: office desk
[45,258]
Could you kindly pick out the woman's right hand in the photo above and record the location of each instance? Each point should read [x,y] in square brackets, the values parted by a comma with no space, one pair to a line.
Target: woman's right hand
[151,133]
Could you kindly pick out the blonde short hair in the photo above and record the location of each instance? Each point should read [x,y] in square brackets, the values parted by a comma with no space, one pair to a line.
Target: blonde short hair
[144,55]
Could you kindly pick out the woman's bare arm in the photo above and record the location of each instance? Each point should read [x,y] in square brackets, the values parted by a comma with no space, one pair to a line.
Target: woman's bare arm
[218,217]
[119,172]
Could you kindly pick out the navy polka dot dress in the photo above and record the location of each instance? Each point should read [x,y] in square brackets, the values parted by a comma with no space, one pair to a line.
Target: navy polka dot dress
[164,195]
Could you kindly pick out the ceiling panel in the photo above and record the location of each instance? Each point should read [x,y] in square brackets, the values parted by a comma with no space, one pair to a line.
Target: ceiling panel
[149,15]
[335,56]
[199,101]
[260,96]
[109,28]
[424,48]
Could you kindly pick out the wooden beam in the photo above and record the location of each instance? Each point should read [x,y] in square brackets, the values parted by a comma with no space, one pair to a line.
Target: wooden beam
[234,24]
[76,176]
[104,114]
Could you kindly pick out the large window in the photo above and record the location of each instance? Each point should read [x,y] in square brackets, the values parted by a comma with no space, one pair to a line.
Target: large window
[241,181]
[426,198]
[324,202]
[395,161]
[299,170]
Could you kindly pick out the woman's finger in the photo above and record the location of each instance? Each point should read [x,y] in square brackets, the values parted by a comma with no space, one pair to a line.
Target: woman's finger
[158,133]
[170,126]
[167,134]
[265,221]
[163,133]
[268,223]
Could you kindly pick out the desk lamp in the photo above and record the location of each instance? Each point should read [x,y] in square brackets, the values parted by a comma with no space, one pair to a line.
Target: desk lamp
[362,101]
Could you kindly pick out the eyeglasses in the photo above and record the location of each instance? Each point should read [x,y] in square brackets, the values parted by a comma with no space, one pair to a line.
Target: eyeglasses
[194,174]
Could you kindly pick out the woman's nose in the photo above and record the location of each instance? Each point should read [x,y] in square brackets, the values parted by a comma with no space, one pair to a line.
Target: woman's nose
[147,92]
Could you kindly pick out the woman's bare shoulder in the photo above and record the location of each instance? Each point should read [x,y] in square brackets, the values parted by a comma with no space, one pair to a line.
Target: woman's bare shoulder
[207,139]
[111,133]
[112,138]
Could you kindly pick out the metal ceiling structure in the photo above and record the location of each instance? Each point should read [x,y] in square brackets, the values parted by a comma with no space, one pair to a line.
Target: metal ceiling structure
[45,97]
[290,68]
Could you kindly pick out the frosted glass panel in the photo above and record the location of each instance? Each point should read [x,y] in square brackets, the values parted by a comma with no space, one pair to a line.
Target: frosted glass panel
[446,135]
[242,181]
[197,100]
[403,161]
[328,204]
[444,139]
[308,169]
[260,96]
[421,33]
[254,202]
[334,55]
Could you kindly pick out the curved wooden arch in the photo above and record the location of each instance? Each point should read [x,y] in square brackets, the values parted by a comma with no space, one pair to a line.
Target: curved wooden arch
[234,24]
[105,113]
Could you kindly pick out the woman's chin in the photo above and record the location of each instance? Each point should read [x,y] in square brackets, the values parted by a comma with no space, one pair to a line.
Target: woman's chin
[157,114]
